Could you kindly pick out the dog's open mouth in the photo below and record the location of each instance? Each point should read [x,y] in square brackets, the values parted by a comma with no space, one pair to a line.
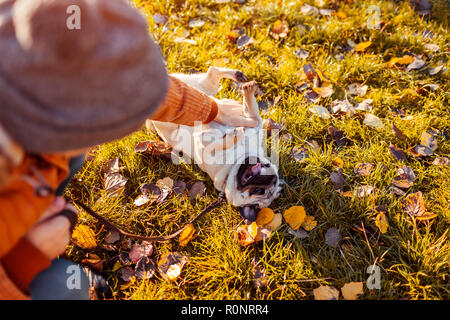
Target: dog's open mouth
[250,177]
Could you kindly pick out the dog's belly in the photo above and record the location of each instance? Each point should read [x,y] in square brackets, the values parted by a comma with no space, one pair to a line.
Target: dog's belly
[196,143]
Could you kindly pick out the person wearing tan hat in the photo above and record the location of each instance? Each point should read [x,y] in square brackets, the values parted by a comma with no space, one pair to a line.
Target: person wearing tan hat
[62,91]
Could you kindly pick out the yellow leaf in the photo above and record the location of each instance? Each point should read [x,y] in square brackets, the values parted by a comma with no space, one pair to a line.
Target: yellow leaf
[173,272]
[381,222]
[295,216]
[351,290]
[406,60]
[128,284]
[339,14]
[186,235]
[403,60]
[116,266]
[253,229]
[244,236]
[265,216]
[326,293]
[275,223]
[309,223]
[337,162]
[363,46]
[83,236]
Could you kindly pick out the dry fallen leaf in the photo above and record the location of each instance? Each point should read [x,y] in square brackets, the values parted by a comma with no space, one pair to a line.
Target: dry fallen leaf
[405,178]
[295,216]
[441,161]
[186,235]
[139,250]
[326,293]
[244,236]
[197,189]
[398,133]
[94,262]
[309,223]
[171,264]
[351,290]
[363,169]
[372,120]
[363,191]
[265,216]
[360,47]
[112,237]
[83,236]
[300,153]
[280,29]
[114,184]
[320,111]
[403,61]
[275,223]
[397,153]
[332,237]
[381,222]
[145,268]
[413,204]
[338,162]
[338,179]
[324,92]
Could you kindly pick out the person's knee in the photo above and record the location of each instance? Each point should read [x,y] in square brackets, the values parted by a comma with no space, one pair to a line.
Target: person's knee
[64,280]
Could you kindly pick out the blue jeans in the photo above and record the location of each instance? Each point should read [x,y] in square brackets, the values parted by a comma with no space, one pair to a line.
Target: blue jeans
[63,280]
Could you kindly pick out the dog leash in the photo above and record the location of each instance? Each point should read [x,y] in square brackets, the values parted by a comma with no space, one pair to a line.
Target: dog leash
[113,227]
[42,189]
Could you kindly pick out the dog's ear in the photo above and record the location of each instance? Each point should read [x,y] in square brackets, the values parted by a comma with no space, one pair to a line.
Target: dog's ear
[11,155]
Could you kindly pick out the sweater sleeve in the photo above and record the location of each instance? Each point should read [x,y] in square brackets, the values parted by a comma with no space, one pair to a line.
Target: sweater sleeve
[23,263]
[185,105]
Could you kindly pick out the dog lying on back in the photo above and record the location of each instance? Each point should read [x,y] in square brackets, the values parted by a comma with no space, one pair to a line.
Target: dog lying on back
[233,157]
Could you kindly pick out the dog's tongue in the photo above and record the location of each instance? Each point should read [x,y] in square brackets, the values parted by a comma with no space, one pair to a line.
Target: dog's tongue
[251,172]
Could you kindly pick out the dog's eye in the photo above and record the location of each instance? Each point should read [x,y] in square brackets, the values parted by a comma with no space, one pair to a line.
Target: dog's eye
[258,191]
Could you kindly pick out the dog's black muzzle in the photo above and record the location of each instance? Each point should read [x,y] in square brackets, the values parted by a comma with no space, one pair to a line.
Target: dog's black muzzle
[249,212]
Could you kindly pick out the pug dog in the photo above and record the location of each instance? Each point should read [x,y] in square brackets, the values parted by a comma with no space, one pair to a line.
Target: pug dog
[233,157]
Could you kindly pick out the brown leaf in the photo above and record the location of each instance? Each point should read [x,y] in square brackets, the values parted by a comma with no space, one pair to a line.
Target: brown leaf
[413,204]
[338,179]
[197,189]
[397,153]
[145,268]
[351,290]
[338,137]
[94,262]
[398,133]
[332,237]
[140,250]
[363,169]
[300,153]
[170,265]
[112,236]
[326,293]
[142,146]
[405,178]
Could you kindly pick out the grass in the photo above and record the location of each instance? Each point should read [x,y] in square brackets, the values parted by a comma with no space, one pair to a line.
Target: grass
[413,257]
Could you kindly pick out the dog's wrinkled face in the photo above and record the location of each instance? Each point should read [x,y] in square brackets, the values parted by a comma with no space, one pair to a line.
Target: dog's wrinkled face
[258,184]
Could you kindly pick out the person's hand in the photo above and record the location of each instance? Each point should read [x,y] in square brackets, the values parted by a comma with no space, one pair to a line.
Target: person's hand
[231,113]
[52,236]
